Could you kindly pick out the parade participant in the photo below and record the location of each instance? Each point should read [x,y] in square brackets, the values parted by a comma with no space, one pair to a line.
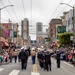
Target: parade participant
[1,58]
[15,52]
[29,51]
[44,65]
[27,55]
[10,55]
[33,55]
[22,57]
[58,58]
[48,60]
[39,57]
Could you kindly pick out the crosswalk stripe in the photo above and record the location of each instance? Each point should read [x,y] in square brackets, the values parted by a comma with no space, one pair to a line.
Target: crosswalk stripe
[1,69]
[14,72]
[33,73]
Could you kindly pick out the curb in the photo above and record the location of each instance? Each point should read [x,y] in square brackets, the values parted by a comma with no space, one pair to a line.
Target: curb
[4,63]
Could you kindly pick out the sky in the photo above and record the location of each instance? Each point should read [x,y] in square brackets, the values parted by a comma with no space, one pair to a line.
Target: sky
[35,10]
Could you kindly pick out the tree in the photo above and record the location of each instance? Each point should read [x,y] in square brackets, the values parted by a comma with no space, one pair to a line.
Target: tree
[64,38]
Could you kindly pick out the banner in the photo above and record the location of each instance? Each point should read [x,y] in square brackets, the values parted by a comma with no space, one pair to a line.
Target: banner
[11,33]
[6,26]
[6,33]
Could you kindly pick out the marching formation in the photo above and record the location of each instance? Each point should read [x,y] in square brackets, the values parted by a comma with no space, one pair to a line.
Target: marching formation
[42,60]
[43,56]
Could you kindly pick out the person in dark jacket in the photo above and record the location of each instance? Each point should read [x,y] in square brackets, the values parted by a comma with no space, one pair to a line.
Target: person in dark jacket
[29,51]
[39,57]
[58,58]
[23,58]
[27,55]
[48,60]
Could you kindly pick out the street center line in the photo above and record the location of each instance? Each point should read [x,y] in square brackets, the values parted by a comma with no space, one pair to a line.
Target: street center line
[68,64]
[14,72]
[34,70]
[1,69]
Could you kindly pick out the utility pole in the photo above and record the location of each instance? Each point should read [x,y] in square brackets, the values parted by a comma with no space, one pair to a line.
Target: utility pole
[11,29]
[73,27]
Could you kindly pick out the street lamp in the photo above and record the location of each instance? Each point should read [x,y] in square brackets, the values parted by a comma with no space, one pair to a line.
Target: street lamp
[3,8]
[73,19]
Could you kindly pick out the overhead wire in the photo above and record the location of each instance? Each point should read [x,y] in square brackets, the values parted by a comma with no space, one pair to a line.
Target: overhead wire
[54,12]
[14,11]
[7,10]
[23,8]
[64,8]
[5,19]
[32,33]
[31,11]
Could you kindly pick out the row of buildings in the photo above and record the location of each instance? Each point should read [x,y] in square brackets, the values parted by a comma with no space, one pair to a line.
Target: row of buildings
[64,24]
[9,32]
[40,35]
[56,27]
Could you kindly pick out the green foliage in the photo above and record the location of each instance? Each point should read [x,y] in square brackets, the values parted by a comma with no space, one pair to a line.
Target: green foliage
[64,38]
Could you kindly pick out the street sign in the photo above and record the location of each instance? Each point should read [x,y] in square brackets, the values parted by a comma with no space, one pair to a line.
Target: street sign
[15,34]
[71,37]
[47,39]
[61,29]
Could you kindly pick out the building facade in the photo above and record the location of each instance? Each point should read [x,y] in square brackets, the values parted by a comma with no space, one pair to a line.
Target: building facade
[25,30]
[40,35]
[69,20]
[39,27]
[53,28]
[6,31]
[63,18]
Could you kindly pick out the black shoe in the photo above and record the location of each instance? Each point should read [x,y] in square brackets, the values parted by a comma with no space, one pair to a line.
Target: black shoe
[47,70]
[50,69]
[25,67]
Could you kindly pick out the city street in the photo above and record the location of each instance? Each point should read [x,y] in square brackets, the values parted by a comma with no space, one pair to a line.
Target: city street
[37,28]
[15,69]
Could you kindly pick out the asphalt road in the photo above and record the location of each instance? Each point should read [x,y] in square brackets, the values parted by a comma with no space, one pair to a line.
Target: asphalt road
[15,69]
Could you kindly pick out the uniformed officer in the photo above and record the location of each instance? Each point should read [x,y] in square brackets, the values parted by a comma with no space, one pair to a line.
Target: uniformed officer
[27,55]
[58,58]
[48,60]
[39,57]
[22,56]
